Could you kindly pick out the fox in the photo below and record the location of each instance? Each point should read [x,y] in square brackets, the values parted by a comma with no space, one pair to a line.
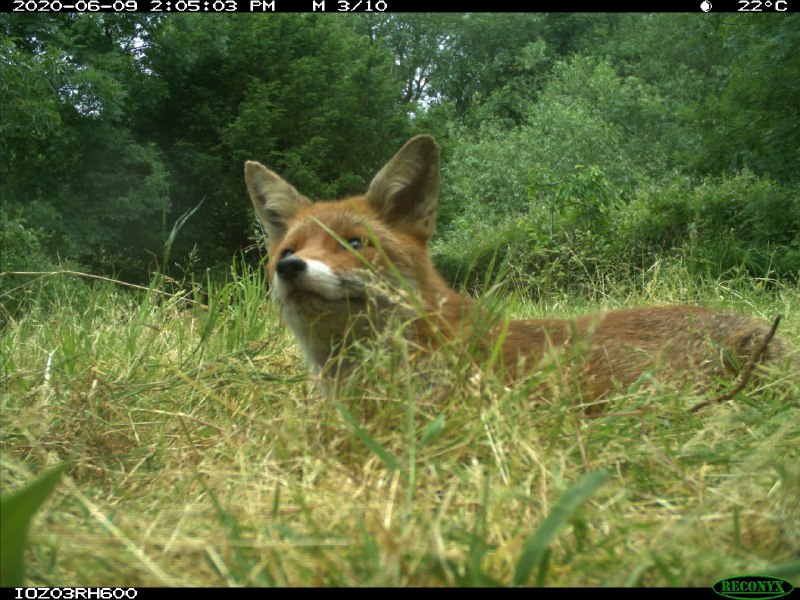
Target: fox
[345,270]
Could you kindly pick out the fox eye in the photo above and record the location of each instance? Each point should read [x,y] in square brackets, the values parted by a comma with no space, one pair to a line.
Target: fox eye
[286,253]
[356,243]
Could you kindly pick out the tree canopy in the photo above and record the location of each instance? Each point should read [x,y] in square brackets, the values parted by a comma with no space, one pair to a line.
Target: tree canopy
[618,135]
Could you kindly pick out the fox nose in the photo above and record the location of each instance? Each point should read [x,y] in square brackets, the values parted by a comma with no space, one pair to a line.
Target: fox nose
[290,267]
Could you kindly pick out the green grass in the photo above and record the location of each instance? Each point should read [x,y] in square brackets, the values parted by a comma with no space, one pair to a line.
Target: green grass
[199,454]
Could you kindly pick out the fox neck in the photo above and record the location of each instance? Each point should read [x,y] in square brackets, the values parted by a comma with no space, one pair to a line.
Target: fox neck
[435,316]
[447,314]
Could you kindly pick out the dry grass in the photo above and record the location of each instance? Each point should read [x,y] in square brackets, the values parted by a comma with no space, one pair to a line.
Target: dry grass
[201,456]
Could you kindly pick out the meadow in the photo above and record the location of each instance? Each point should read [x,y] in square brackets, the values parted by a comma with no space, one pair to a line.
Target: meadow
[199,454]
[590,161]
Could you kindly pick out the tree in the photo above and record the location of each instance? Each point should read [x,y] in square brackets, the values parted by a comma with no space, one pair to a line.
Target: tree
[300,92]
[754,121]
[71,164]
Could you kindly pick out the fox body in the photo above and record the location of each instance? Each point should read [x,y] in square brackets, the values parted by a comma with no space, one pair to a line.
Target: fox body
[344,270]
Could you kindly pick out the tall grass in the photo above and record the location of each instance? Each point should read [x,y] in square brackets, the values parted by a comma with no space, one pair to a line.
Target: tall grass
[199,453]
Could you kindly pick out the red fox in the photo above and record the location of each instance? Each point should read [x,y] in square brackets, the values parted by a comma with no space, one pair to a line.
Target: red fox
[342,269]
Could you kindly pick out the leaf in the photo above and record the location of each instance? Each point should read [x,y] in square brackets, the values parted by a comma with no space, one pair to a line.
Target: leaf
[535,548]
[16,513]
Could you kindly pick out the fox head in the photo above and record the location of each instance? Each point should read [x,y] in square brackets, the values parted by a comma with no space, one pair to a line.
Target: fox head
[336,268]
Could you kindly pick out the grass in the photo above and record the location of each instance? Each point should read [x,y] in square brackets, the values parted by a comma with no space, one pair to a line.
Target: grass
[200,455]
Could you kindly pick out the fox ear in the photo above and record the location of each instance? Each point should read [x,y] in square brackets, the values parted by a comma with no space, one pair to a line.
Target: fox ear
[274,199]
[405,191]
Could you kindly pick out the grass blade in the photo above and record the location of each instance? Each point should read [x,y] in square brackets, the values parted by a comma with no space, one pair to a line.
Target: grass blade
[785,571]
[374,446]
[432,430]
[536,546]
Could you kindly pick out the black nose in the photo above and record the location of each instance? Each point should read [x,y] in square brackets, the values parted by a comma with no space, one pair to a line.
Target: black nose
[290,267]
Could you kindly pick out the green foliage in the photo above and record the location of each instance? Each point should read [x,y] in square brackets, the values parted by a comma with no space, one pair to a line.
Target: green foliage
[374,446]
[415,41]
[718,94]
[488,174]
[585,193]
[481,57]
[753,122]
[115,126]
[301,93]
[23,245]
[742,224]
[73,166]
[22,248]
[481,259]
[129,121]
[16,513]
[30,106]
[494,65]
[737,222]
[609,113]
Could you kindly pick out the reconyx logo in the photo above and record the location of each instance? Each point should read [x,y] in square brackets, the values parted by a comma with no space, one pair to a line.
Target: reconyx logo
[746,587]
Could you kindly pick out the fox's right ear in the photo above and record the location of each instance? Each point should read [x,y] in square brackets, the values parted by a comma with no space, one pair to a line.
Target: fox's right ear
[405,191]
[275,200]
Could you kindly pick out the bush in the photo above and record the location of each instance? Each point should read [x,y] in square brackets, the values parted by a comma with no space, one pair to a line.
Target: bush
[23,245]
[478,252]
[518,251]
[23,249]
[738,222]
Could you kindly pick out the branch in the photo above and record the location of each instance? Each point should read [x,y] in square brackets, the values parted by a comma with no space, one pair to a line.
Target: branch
[744,377]
[98,278]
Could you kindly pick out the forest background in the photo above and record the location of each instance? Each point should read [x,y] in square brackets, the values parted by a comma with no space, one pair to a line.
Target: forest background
[575,146]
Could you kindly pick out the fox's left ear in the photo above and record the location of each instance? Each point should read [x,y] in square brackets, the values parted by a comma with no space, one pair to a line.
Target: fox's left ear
[406,189]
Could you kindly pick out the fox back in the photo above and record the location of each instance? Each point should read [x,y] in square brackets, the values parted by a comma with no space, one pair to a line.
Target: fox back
[344,270]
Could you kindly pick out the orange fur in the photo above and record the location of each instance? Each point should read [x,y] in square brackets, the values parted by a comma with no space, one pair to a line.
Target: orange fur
[341,269]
